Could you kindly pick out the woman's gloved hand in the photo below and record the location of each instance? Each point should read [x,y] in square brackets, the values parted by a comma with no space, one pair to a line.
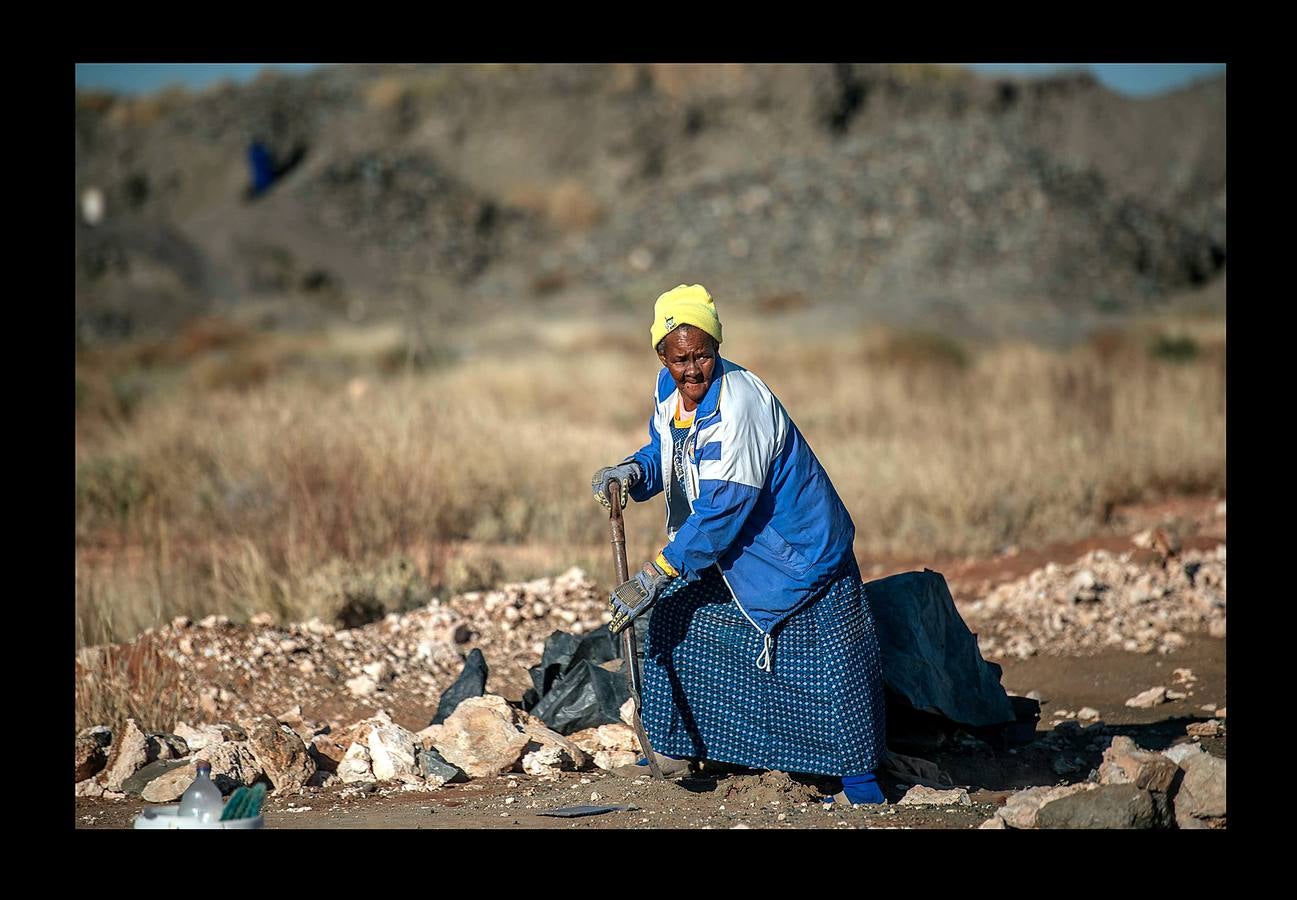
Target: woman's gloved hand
[628,473]
[630,599]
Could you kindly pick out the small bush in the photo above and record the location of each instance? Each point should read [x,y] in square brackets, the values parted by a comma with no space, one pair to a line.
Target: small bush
[352,595]
[472,572]
[1173,349]
[922,348]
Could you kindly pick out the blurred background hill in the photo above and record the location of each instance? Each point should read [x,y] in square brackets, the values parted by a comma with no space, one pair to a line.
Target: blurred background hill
[981,206]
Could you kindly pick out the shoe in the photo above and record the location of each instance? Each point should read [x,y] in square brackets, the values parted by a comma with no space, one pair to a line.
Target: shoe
[865,791]
[671,768]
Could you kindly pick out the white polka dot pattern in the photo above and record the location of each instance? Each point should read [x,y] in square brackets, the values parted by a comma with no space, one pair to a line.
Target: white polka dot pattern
[820,710]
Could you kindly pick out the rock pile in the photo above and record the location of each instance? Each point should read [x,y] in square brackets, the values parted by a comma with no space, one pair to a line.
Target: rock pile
[363,681]
[228,671]
[1182,787]
[1104,600]
[511,623]
[484,736]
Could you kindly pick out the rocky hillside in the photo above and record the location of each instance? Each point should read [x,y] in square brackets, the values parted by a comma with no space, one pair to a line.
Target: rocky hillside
[900,193]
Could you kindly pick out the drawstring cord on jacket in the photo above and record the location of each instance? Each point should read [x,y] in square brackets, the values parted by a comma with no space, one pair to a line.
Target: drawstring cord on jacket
[764,660]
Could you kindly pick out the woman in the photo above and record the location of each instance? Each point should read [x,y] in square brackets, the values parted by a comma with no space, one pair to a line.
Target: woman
[761,648]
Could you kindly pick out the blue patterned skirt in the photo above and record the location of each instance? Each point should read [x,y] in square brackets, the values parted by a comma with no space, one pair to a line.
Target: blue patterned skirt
[818,711]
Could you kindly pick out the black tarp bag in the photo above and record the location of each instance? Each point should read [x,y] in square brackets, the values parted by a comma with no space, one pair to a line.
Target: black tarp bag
[470,683]
[574,687]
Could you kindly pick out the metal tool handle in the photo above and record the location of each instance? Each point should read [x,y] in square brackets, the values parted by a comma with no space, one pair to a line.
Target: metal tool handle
[629,642]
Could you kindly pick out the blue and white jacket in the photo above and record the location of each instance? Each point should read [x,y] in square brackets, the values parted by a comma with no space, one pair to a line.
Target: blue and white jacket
[762,507]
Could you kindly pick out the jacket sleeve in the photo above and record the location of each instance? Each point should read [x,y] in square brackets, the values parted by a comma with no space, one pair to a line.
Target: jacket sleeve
[649,458]
[732,471]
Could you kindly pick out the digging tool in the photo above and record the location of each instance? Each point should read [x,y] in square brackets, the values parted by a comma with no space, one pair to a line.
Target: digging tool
[629,642]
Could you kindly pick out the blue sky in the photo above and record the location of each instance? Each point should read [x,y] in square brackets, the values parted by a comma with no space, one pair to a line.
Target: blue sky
[1132,79]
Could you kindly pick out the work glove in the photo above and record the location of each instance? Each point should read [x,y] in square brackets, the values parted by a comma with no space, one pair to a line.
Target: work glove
[630,599]
[628,473]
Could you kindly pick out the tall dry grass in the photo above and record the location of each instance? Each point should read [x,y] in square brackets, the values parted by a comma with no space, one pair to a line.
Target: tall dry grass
[200,491]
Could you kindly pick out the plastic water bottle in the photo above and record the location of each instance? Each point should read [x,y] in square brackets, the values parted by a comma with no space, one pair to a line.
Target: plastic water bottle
[202,800]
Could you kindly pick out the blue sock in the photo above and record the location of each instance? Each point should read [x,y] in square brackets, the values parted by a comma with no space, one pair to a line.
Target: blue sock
[862,788]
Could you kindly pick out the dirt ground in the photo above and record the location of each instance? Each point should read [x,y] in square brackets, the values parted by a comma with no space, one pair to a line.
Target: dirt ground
[1064,750]
[1065,753]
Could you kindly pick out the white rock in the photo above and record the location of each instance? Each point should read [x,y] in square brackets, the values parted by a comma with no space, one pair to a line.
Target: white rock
[233,760]
[171,786]
[1081,585]
[361,686]
[129,754]
[1088,713]
[1180,752]
[546,762]
[392,752]
[926,796]
[89,788]
[612,759]
[572,755]
[617,737]
[356,765]
[1020,809]
[200,736]
[482,737]
[1149,698]
[627,712]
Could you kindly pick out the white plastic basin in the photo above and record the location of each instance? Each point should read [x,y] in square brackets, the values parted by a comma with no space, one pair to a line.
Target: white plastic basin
[167,817]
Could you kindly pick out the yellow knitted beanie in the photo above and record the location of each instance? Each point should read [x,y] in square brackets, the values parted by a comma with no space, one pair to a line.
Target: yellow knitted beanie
[688,304]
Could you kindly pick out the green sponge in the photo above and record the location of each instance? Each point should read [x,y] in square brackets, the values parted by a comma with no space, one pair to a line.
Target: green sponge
[244,803]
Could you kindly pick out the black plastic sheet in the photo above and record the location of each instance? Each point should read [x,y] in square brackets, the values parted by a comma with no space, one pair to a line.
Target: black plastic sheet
[470,683]
[930,659]
[575,812]
[572,690]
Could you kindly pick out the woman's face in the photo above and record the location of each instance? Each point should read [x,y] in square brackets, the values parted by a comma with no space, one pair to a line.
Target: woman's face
[689,356]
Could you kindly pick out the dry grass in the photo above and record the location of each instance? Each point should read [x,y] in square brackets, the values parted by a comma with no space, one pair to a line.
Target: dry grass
[135,681]
[201,498]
